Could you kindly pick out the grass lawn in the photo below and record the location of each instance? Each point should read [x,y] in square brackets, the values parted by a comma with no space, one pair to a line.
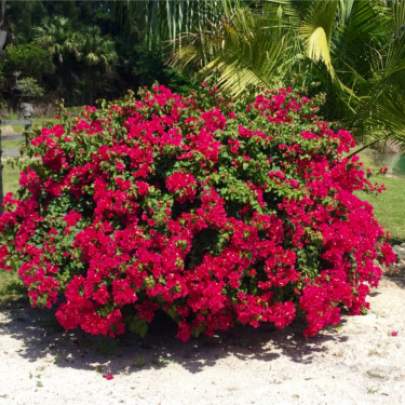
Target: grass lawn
[10,178]
[12,143]
[37,122]
[390,206]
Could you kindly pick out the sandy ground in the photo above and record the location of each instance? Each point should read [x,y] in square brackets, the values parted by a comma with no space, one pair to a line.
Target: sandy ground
[358,363]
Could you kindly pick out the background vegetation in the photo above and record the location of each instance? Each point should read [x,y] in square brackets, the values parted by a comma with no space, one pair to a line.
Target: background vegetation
[81,51]
[352,51]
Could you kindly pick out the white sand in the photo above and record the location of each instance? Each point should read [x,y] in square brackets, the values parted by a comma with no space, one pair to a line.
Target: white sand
[360,363]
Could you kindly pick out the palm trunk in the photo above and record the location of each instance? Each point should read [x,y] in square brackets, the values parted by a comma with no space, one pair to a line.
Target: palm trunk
[3,13]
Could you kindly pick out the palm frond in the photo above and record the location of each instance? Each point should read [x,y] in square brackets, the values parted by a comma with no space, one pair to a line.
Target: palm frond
[398,9]
[243,49]
[388,112]
[316,30]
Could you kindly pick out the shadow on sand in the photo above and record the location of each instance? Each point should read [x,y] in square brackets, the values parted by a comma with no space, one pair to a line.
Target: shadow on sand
[398,277]
[41,336]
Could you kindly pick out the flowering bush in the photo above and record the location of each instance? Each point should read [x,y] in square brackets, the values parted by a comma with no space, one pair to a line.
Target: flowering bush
[215,213]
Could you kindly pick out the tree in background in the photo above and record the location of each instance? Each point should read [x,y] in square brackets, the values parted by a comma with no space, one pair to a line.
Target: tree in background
[96,49]
[83,57]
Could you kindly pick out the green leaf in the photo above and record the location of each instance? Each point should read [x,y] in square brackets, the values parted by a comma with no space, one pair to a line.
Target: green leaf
[138,326]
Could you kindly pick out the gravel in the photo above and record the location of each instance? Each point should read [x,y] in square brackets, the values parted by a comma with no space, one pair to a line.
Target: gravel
[361,362]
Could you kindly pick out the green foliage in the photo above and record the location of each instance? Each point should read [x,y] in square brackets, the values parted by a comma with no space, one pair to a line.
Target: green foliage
[11,288]
[138,326]
[27,59]
[29,88]
[95,49]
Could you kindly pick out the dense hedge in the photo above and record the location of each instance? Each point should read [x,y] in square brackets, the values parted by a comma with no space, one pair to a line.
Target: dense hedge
[215,213]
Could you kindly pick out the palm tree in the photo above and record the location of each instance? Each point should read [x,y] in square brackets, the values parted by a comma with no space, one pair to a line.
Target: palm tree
[316,31]
[81,54]
[385,100]
[96,54]
[93,49]
[352,49]
[57,35]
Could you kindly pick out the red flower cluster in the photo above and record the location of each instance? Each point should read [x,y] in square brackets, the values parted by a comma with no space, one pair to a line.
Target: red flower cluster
[214,213]
[182,185]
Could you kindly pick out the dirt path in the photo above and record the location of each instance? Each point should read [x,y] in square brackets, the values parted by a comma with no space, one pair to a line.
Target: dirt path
[360,363]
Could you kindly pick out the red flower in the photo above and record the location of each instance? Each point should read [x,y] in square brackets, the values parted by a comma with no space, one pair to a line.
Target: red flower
[183,185]
[123,293]
[72,218]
